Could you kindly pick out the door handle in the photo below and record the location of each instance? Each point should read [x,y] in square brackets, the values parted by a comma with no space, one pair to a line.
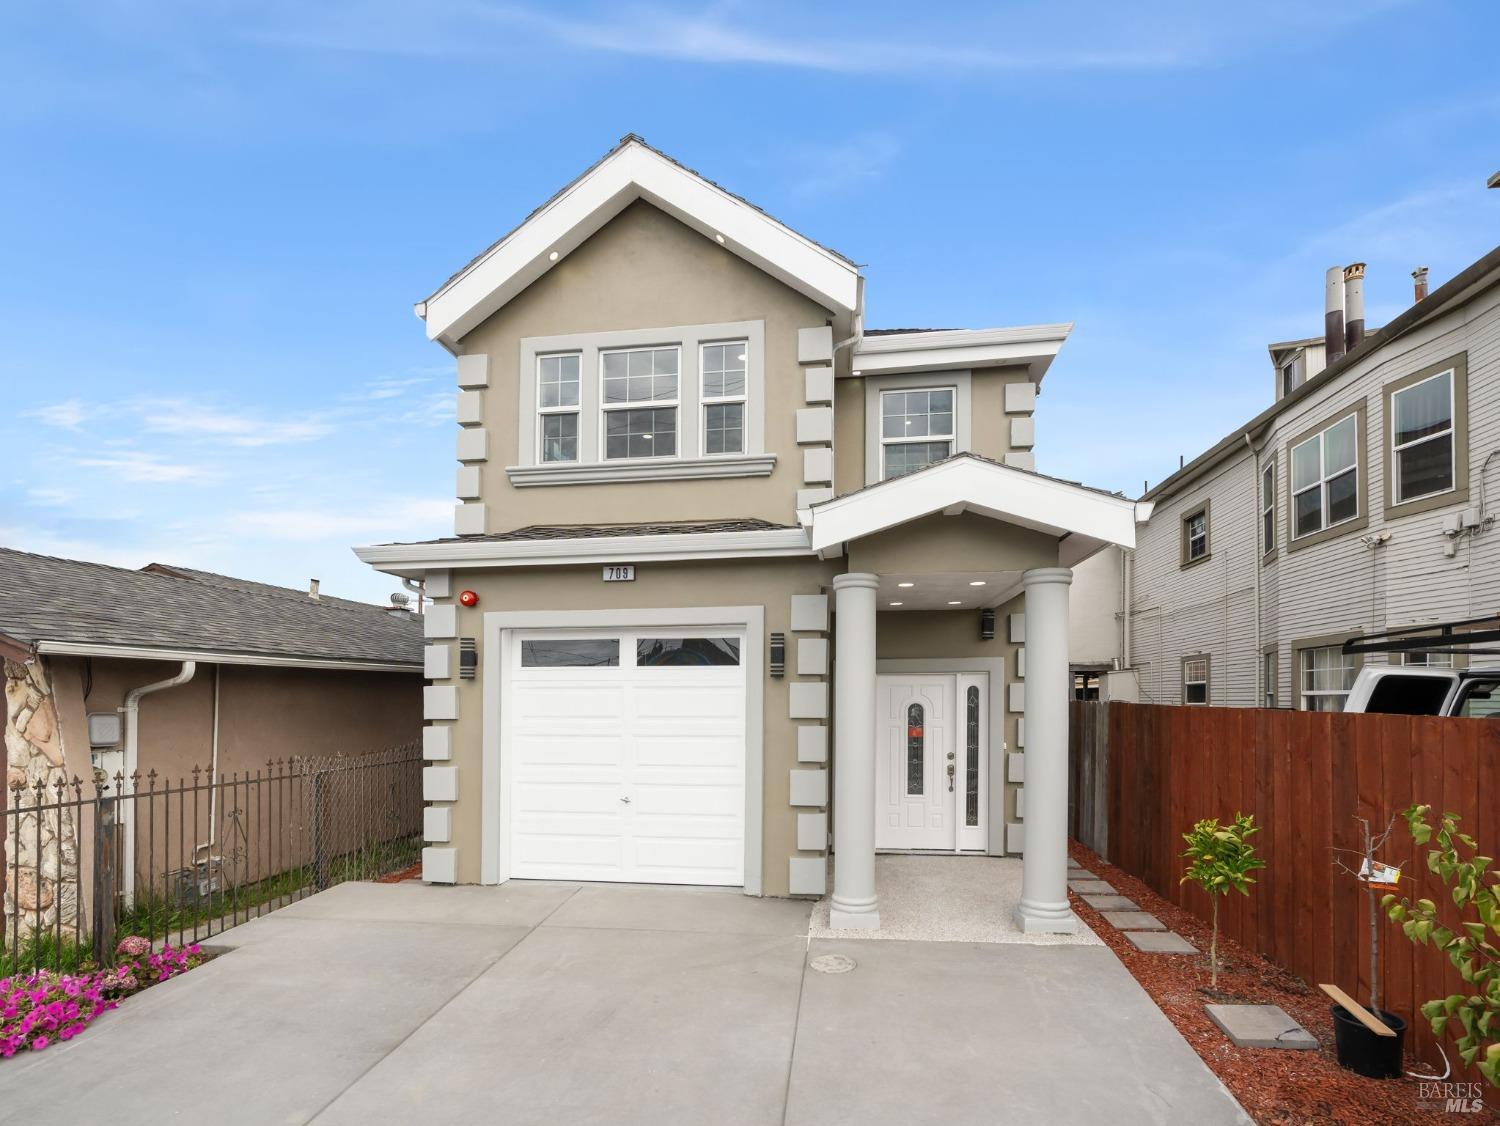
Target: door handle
[950,777]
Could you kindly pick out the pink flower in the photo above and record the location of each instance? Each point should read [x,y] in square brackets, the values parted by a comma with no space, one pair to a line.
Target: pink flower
[39,1043]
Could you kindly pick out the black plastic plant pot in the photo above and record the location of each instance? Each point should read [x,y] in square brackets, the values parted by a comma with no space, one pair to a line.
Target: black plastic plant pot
[1362,1051]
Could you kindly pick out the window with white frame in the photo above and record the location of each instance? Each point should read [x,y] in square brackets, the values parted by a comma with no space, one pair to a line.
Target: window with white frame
[1268,678]
[1195,536]
[1428,660]
[723,368]
[1268,509]
[1289,375]
[1325,676]
[916,429]
[1422,437]
[557,406]
[639,402]
[1325,478]
[1195,680]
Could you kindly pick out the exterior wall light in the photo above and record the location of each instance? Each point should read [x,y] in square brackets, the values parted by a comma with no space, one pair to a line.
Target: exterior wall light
[987,624]
[778,655]
[468,658]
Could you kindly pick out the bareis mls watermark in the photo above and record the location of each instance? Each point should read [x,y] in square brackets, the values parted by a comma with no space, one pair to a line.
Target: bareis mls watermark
[1450,1098]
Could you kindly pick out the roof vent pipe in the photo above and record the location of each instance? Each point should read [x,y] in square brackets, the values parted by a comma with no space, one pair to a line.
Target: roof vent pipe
[1354,305]
[1419,283]
[1333,314]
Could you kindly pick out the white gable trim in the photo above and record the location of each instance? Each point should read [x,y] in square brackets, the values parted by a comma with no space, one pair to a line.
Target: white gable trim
[1031,346]
[634,171]
[1015,496]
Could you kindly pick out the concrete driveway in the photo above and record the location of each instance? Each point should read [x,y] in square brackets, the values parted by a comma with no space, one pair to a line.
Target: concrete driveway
[561,1003]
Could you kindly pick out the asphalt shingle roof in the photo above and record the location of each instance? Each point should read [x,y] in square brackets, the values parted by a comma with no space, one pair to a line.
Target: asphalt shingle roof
[178,608]
[597,531]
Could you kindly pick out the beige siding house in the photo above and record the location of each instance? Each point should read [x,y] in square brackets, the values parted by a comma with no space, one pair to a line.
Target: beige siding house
[1361,500]
[737,583]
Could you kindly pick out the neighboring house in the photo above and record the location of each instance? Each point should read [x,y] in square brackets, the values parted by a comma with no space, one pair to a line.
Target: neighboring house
[714,534]
[238,674]
[1356,502]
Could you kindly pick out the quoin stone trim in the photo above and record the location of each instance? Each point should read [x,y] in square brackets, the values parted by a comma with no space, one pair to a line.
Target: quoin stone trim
[807,699]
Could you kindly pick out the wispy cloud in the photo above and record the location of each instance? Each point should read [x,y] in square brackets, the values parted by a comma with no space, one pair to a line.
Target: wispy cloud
[422,515]
[827,169]
[67,415]
[50,497]
[141,467]
[194,420]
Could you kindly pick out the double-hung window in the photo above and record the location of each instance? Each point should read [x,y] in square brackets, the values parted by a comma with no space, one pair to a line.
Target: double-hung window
[1268,509]
[1422,437]
[1325,478]
[1195,536]
[1195,680]
[916,429]
[639,401]
[557,406]
[1326,673]
[723,369]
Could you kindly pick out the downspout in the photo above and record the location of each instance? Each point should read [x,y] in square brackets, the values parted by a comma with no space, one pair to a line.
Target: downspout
[130,716]
[1260,658]
[213,769]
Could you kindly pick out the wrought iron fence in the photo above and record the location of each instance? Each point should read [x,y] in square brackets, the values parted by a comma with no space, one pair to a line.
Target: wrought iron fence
[181,861]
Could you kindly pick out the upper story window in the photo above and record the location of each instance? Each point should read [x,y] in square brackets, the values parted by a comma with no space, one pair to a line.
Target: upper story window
[1422,437]
[557,406]
[1268,509]
[1289,373]
[640,402]
[723,393]
[1195,533]
[916,429]
[1325,478]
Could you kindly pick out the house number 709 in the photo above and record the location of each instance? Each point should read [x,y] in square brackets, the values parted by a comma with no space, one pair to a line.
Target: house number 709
[622,573]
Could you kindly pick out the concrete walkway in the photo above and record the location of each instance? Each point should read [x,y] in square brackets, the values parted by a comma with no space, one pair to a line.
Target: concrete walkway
[552,1003]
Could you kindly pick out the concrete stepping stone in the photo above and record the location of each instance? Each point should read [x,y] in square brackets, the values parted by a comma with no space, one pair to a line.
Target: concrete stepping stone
[1073,863]
[1260,1026]
[1091,887]
[1134,921]
[1081,874]
[1160,942]
[1111,903]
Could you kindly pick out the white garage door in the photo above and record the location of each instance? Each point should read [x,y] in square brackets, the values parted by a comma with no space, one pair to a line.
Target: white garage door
[627,756]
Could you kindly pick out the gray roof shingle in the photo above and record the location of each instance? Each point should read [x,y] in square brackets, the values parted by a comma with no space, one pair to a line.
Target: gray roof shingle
[597,531]
[178,608]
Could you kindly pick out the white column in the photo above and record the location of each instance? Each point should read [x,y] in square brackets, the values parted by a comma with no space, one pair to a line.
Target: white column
[1044,865]
[854,904]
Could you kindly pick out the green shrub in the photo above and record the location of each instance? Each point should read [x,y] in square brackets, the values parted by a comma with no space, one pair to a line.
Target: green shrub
[1221,859]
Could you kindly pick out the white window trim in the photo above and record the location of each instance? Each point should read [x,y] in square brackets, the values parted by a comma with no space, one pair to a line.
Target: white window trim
[1206,681]
[591,468]
[961,383]
[708,400]
[494,776]
[606,409]
[1322,482]
[1303,692]
[1268,509]
[542,412]
[1451,432]
[1201,514]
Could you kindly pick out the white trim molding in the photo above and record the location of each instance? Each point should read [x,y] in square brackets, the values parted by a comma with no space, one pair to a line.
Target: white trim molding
[494,789]
[623,472]
[1031,346]
[413,559]
[633,171]
[877,386]
[218,657]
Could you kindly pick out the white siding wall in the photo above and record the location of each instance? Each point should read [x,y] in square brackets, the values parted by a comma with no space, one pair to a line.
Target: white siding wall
[1336,586]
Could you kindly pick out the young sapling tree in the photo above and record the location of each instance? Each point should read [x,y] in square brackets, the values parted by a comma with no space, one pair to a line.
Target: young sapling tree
[1220,860]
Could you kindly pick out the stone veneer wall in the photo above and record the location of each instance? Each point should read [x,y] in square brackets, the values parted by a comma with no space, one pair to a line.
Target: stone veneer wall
[45,879]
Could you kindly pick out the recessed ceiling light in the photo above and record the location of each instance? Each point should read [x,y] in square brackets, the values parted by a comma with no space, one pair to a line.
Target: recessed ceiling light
[956,602]
[906,584]
[898,603]
[719,239]
[977,582]
[552,257]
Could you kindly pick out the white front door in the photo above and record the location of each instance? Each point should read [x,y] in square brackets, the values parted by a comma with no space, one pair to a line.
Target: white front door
[931,753]
[627,753]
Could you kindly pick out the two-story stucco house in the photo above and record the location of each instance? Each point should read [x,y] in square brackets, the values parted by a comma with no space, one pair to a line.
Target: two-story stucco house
[1362,499]
[735,581]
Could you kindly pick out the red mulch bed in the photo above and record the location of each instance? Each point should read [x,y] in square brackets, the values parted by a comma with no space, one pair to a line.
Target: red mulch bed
[1273,1085]
[412,873]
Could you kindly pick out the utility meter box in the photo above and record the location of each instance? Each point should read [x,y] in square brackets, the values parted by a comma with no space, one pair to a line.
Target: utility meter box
[104,729]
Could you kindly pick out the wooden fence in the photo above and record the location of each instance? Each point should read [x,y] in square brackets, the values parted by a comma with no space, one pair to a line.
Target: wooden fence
[1307,778]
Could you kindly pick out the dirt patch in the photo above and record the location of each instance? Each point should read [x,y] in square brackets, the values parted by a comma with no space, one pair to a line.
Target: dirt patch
[412,873]
[1273,1085]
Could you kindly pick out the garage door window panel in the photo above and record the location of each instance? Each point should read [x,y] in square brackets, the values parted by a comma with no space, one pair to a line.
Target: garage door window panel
[652,652]
[572,653]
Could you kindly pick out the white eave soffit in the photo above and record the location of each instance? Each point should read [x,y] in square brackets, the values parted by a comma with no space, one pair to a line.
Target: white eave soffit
[636,172]
[1032,346]
[1000,492]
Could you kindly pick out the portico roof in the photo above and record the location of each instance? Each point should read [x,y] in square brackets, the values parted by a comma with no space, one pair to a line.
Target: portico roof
[1083,518]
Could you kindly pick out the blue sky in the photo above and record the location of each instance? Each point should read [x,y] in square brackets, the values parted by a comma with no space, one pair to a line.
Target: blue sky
[215,218]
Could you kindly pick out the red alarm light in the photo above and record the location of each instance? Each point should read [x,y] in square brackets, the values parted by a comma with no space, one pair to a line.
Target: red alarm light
[468,598]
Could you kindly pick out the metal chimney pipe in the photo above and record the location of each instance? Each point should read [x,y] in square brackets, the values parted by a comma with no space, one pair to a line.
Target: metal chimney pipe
[1354,305]
[1419,283]
[1333,314]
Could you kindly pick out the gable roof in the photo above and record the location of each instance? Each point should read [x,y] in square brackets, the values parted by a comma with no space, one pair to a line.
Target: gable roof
[52,605]
[1083,518]
[630,171]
